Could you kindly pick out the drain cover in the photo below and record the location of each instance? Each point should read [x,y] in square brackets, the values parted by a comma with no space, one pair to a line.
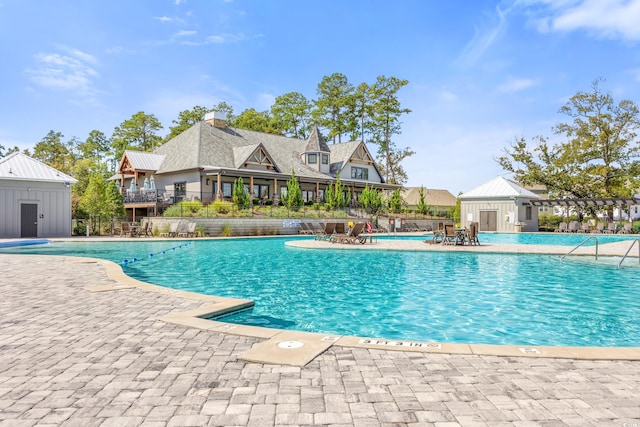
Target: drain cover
[290,344]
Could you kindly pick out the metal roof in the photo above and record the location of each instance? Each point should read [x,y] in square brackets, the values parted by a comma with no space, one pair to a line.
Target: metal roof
[143,161]
[499,187]
[18,166]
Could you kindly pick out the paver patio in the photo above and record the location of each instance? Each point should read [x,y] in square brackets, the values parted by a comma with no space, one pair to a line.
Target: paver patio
[73,357]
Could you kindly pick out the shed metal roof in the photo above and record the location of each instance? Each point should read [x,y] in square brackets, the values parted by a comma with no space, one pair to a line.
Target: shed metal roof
[18,166]
[499,187]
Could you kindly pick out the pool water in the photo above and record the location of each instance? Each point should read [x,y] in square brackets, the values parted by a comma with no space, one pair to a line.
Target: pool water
[425,296]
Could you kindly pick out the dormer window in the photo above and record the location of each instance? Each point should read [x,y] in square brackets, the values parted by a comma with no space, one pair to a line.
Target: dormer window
[325,159]
[312,159]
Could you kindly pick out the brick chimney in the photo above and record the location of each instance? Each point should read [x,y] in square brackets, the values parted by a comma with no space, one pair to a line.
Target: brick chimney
[217,119]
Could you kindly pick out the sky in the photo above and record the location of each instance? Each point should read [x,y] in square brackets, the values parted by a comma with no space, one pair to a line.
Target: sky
[481,73]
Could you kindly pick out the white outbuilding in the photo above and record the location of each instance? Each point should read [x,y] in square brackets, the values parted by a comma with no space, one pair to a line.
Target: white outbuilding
[35,199]
[499,205]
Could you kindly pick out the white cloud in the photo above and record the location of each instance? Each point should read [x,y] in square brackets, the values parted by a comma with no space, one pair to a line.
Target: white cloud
[163,18]
[70,70]
[603,18]
[483,39]
[185,33]
[513,85]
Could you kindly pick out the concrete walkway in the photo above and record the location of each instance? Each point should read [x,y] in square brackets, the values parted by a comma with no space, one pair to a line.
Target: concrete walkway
[75,357]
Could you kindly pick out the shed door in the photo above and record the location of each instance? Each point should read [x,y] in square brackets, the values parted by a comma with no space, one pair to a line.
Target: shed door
[488,221]
[28,220]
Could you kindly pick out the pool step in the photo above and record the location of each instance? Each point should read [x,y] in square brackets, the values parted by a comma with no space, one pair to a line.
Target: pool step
[289,348]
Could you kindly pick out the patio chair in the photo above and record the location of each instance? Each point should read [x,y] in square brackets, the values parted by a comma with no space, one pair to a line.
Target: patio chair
[125,230]
[574,226]
[450,236]
[472,235]
[144,230]
[599,228]
[562,227]
[340,228]
[585,227]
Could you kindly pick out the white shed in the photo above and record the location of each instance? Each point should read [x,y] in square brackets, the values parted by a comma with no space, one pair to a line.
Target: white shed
[499,205]
[35,199]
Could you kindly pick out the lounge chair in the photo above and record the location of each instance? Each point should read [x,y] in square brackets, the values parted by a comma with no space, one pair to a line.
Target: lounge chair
[187,230]
[611,228]
[562,227]
[172,232]
[574,226]
[599,228]
[329,229]
[340,228]
[353,236]
[305,229]
[585,228]
[626,228]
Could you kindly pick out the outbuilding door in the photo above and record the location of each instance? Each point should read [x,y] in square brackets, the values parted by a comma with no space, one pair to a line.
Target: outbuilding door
[28,220]
[488,221]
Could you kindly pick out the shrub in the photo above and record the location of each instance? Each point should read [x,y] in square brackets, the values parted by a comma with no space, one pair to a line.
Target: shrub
[221,207]
[226,231]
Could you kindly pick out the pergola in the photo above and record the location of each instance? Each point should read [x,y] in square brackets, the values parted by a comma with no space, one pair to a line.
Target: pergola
[586,202]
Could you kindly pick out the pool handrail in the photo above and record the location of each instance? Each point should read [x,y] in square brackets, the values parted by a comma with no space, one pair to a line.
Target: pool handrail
[580,244]
[629,250]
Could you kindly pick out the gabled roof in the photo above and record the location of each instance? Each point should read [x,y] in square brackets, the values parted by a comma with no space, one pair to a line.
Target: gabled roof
[342,153]
[499,187]
[411,196]
[253,154]
[18,166]
[144,161]
[316,142]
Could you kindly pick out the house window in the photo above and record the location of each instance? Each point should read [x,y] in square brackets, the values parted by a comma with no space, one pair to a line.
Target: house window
[527,213]
[180,190]
[312,159]
[359,173]
[261,191]
[226,189]
[325,159]
[308,196]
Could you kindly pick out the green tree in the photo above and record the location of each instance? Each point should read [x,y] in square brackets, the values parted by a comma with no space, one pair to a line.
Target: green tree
[95,148]
[4,153]
[186,119]
[422,206]
[395,201]
[52,151]
[251,119]
[292,114]
[334,106]
[385,122]
[598,156]
[240,195]
[361,114]
[114,202]
[293,199]
[371,200]
[136,133]
[334,196]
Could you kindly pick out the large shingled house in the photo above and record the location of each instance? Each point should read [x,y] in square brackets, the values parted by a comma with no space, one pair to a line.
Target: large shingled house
[203,162]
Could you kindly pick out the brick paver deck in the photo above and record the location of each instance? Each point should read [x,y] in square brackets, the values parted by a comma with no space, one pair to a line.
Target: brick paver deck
[73,357]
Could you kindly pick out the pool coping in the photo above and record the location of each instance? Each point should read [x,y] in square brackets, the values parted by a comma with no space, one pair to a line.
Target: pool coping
[313,344]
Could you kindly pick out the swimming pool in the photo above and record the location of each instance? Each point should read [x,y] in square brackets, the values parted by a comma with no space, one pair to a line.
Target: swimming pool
[426,296]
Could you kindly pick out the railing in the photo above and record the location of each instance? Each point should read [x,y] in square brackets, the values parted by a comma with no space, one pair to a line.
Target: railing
[629,250]
[582,243]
